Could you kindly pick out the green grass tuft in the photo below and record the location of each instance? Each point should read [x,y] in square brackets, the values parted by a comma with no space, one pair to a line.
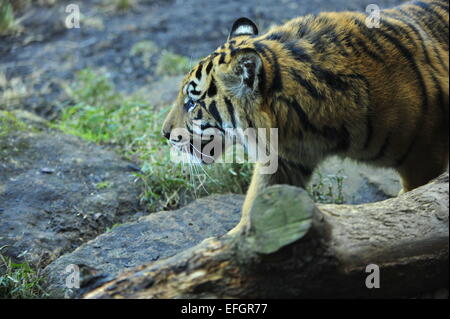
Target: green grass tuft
[19,281]
[7,20]
[9,123]
[328,189]
[124,5]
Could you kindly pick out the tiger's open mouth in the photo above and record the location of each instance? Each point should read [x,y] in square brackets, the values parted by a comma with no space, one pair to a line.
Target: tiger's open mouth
[203,151]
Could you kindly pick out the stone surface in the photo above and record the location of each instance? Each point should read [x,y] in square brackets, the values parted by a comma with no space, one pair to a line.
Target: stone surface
[362,183]
[57,191]
[156,236]
[163,93]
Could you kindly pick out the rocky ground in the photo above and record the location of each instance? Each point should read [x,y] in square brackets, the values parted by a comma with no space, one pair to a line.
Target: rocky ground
[59,193]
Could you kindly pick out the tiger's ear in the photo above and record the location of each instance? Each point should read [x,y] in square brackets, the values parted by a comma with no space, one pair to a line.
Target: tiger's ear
[243,26]
[244,73]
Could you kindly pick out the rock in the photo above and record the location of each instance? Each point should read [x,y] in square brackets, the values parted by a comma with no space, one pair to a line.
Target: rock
[361,184]
[49,201]
[157,236]
[163,92]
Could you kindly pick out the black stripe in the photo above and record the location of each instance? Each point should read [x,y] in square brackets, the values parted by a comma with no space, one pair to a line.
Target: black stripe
[440,5]
[209,67]
[249,121]
[222,58]
[430,23]
[277,84]
[426,7]
[370,36]
[281,178]
[199,115]
[189,129]
[403,158]
[303,117]
[409,56]
[382,151]
[421,41]
[212,90]
[401,32]
[442,104]
[302,168]
[250,80]
[198,73]
[230,109]
[325,38]
[375,56]
[334,81]
[424,49]
[341,136]
[279,36]
[298,53]
[417,32]
[214,112]
[262,80]
[369,134]
[202,104]
[306,84]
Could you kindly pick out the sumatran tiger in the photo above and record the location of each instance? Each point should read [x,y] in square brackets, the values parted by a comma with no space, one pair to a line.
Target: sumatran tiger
[331,85]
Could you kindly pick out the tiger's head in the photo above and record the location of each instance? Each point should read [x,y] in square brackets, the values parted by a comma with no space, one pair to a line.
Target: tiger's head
[222,92]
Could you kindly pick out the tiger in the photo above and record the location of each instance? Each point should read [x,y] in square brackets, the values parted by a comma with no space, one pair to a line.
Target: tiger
[332,85]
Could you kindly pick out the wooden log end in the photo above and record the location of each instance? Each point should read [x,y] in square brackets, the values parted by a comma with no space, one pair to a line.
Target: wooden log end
[280,216]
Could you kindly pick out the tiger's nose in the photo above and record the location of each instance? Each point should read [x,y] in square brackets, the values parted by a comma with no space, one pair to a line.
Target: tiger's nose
[166,134]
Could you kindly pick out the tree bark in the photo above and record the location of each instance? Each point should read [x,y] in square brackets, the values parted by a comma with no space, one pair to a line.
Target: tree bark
[293,248]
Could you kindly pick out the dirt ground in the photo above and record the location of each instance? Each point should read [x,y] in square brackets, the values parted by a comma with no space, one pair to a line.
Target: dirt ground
[37,65]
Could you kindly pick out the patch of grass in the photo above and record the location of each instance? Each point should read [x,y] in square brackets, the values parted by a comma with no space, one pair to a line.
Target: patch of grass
[328,189]
[103,185]
[8,23]
[19,281]
[9,123]
[172,64]
[124,5]
[103,116]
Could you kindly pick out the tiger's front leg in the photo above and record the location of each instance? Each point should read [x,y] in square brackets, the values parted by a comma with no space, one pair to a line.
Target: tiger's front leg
[289,173]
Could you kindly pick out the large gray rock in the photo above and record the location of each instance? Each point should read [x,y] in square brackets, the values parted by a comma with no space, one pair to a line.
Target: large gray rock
[153,237]
[57,192]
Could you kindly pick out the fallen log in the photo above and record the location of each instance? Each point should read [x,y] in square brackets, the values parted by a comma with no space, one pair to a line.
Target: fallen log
[293,249]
